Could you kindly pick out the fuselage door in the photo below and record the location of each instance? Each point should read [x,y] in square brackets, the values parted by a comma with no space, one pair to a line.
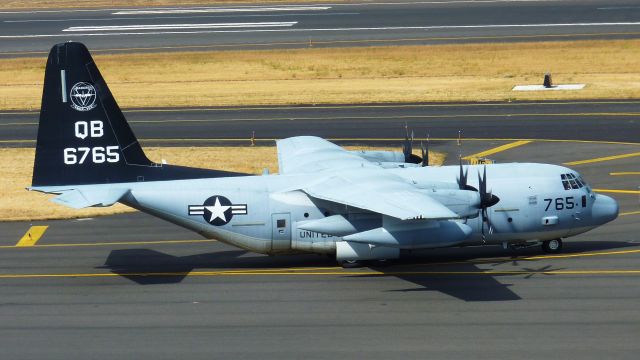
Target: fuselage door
[281,231]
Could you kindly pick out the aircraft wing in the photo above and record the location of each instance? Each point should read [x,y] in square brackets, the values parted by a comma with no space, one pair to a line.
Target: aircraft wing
[345,178]
[381,193]
[310,154]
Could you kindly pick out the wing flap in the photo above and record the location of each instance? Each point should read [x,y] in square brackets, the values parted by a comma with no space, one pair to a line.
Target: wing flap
[386,196]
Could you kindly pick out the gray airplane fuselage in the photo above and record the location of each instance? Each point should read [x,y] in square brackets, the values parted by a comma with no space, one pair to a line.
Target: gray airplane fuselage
[534,205]
[356,205]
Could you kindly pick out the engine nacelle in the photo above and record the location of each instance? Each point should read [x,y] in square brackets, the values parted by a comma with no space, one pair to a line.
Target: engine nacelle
[414,235]
[465,203]
[350,251]
[341,225]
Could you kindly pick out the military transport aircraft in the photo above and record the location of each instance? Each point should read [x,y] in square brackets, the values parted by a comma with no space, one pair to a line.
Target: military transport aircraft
[354,205]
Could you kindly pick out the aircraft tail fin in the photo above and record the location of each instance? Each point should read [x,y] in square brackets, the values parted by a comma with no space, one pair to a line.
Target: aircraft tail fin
[83,137]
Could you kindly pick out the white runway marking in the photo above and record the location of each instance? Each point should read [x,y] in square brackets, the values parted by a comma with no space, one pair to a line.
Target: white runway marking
[389,28]
[180,26]
[184,17]
[542,88]
[221,10]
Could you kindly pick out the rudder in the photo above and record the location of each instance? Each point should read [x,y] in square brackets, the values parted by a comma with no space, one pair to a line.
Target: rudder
[83,137]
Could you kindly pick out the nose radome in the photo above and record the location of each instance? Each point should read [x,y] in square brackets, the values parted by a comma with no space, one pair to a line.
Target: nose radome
[605,209]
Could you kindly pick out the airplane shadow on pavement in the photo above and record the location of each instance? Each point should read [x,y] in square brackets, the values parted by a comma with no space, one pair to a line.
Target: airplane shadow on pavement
[464,279]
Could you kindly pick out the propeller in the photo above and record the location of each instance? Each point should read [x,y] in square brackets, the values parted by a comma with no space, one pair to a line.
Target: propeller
[425,154]
[407,148]
[424,150]
[462,179]
[487,200]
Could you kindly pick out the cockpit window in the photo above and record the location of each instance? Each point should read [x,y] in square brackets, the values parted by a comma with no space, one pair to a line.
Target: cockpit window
[572,181]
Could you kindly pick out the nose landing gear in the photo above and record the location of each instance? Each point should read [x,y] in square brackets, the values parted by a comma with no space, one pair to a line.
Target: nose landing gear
[552,246]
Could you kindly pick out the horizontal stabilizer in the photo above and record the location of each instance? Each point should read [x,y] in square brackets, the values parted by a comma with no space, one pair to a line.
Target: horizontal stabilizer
[78,199]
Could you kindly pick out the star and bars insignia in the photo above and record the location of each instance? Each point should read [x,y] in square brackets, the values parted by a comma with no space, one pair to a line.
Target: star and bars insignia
[218,210]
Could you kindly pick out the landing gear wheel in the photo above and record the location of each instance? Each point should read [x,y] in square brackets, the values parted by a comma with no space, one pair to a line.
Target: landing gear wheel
[552,246]
[350,264]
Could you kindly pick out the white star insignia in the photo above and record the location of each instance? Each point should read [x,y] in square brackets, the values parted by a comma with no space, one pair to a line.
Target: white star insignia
[217,211]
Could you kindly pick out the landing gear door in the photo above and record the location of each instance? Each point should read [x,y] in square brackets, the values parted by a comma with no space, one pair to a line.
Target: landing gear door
[281,231]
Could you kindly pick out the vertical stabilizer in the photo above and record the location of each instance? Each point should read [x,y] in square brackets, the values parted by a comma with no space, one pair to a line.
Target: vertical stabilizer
[83,137]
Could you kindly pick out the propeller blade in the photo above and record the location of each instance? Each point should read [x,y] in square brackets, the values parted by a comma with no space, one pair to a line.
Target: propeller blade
[482,184]
[407,148]
[462,179]
[487,200]
[407,145]
[425,154]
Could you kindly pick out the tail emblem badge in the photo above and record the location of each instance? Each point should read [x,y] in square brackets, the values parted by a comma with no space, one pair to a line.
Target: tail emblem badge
[83,96]
[218,210]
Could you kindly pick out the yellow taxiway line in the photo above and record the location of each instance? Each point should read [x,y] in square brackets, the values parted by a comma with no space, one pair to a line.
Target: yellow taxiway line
[584,254]
[200,140]
[339,272]
[629,213]
[363,106]
[498,149]
[600,159]
[330,118]
[623,173]
[31,237]
[160,242]
[617,191]
[528,258]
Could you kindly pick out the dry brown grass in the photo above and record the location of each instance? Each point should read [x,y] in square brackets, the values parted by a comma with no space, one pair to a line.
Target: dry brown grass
[64,4]
[477,72]
[18,204]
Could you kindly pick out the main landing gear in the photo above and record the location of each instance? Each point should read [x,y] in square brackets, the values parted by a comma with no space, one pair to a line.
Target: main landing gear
[351,264]
[552,246]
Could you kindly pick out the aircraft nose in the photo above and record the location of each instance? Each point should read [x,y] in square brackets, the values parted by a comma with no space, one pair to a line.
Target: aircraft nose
[604,209]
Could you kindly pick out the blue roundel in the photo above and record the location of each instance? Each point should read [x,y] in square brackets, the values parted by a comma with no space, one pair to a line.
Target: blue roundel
[217,210]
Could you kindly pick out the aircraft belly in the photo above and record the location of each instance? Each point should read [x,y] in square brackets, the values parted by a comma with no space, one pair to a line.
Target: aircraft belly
[230,215]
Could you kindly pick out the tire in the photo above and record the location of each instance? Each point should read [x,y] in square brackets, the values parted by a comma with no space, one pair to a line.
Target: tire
[351,264]
[552,246]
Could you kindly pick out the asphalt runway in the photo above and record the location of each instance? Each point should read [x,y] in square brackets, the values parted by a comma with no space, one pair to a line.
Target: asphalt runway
[574,120]
[131,284]
[339,24]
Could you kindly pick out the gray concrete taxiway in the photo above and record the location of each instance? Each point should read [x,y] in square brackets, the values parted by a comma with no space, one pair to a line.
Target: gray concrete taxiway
[323,24]
[610,120]
[132,286]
